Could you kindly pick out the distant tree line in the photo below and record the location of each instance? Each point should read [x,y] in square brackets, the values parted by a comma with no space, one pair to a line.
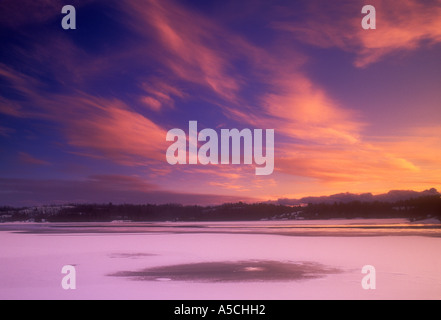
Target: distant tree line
[168,212]
[413,209]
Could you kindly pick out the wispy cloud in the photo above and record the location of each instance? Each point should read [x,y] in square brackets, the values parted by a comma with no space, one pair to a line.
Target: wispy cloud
[363,162]
[28,159]
[27,12]
[119,103]
[160,94]
[330,136]
[403,26]
[10,108]
[105,126]
[112,129]
[5,131]
[304,111]
[194,48]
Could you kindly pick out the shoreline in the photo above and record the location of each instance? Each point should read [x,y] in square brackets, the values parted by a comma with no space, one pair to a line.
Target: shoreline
[328,228]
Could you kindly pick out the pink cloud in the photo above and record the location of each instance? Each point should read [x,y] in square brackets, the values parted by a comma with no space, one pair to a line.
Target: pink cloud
[105,127]
[160,94]
[201,51]
[302,110]
[111,129]
[28,159]
[321,139]
[402,26]
[152,103]
[196,48]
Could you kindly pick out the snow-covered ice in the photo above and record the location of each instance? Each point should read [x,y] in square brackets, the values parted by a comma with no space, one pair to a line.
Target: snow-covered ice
[407,261]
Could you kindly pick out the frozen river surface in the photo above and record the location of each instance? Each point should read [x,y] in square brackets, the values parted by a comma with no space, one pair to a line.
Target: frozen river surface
[222,260]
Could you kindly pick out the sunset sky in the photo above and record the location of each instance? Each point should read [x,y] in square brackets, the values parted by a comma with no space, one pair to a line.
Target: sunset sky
[84,113]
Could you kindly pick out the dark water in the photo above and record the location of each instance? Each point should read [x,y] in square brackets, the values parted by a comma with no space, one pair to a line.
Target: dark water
[356,227]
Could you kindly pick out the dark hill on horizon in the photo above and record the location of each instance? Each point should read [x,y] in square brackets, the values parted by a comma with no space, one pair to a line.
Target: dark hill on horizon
[394,204]
[391,196]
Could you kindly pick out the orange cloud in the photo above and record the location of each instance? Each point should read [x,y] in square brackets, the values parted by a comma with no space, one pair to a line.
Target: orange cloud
[422,147]
[229,186]
[406,162]
[304,111]
[317,139]
[112,129]
[193,47]
[401,26]
[190,40]
[361,162]
[200,51]
[106,127]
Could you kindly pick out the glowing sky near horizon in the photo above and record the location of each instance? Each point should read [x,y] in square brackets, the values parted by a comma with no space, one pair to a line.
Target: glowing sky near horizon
[84,113]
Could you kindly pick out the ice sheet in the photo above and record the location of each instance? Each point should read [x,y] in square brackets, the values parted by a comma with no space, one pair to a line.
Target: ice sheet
[407,267]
